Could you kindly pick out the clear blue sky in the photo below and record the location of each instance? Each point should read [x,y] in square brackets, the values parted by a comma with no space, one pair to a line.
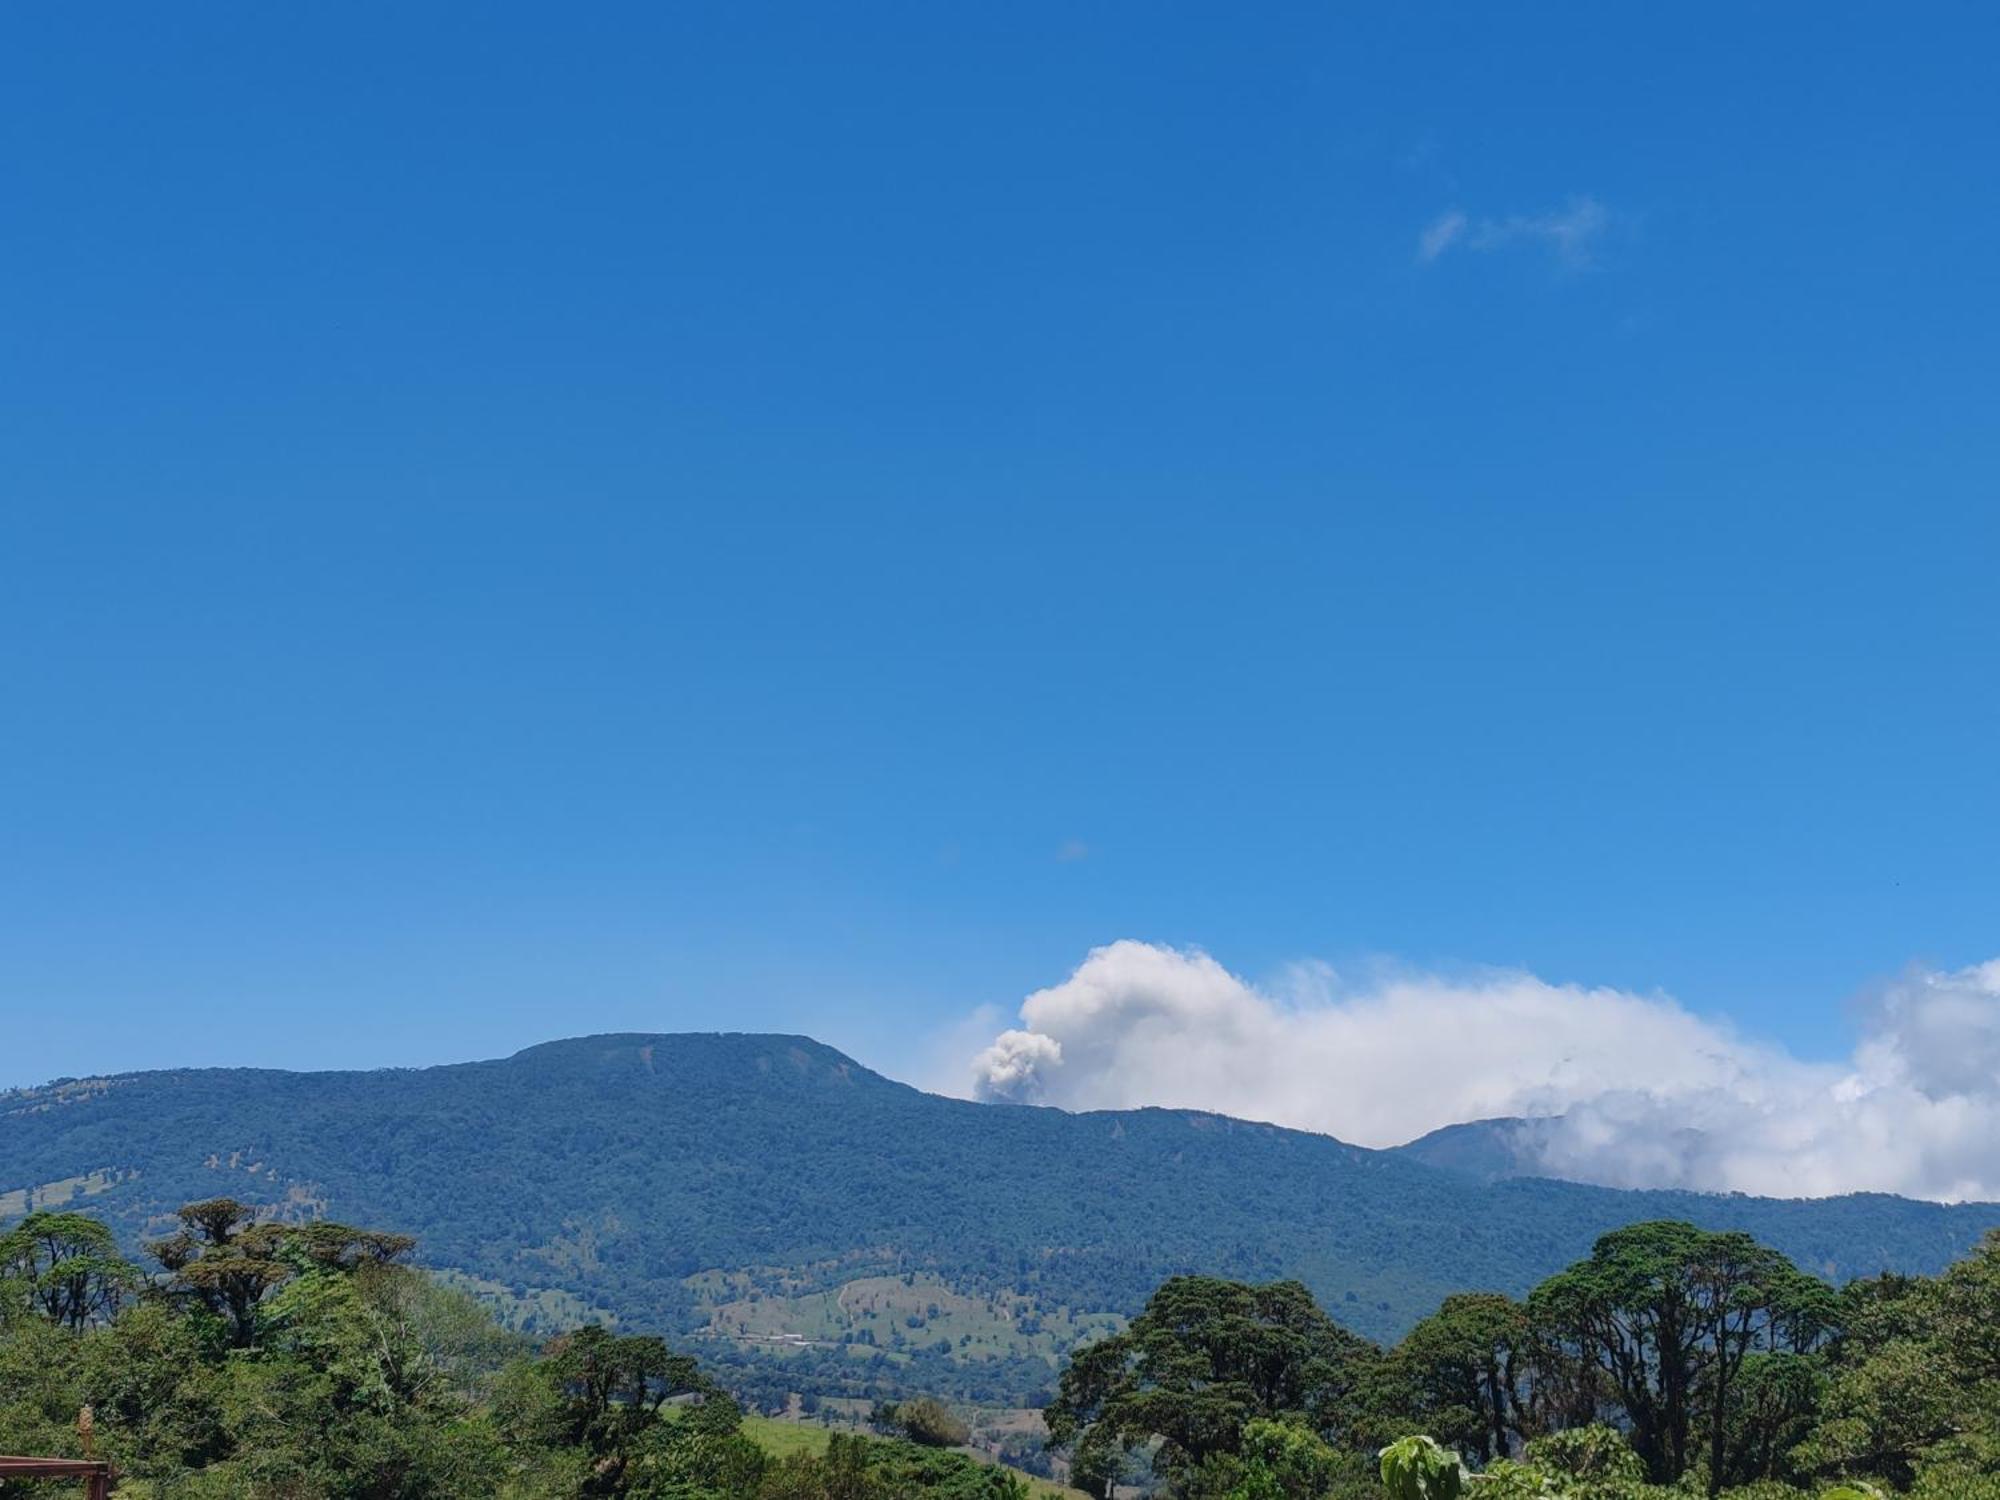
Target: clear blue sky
[521,520]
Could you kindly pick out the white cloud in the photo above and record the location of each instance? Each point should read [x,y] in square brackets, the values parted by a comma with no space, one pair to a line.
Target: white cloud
[1649,1094]
[1570,233]
[1440,235]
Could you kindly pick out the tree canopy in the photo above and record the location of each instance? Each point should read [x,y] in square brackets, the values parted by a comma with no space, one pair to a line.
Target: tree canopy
[1671,1360]
[306,1361]
[1203,1360]
[64,1267]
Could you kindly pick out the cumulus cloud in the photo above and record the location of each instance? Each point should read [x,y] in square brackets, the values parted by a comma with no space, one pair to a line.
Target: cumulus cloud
[1570,233]
[1640,1091]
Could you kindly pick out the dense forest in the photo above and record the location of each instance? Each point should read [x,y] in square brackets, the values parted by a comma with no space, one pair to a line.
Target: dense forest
[264,1360]
[1671,1361]
[691,1184]
[269,1361]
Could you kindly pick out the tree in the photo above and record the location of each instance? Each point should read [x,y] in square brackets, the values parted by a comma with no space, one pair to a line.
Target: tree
[1282,1461]
[337,1400]
[925,1420]
[225,1259]
[341,1247]
[1915,1394]
[152,1380]
[601,1393]
[1592,1454]
[1203,1360]
[841,1473]
[1592,1462]
[66,1267]
[1669,1313]
[41,1388]
[1466,1367]
[704,1454]
[1778,1395]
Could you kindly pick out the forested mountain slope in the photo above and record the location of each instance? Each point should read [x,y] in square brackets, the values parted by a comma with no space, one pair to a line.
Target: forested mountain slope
[1486,1149]
[619,1174]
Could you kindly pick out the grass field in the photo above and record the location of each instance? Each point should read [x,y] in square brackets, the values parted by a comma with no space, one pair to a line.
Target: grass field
[781,1439]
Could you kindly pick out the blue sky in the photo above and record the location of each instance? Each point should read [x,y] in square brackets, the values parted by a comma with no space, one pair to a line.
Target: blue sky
[519,523]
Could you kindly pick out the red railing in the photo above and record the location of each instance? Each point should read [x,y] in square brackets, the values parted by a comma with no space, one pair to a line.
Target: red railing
[96,1476]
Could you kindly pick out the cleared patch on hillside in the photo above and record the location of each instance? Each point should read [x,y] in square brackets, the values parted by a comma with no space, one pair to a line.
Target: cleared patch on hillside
[541,1311]
[895,1314]
[61,1193]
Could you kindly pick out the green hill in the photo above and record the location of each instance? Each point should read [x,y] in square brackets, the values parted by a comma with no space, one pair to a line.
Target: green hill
[796,1211]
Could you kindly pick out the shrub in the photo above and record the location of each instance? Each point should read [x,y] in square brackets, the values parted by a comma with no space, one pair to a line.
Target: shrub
[1416,1468]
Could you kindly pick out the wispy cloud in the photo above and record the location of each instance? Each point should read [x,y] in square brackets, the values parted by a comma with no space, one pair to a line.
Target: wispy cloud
[1649,1093]
[1072,850]
[1570,234]
[1446,230]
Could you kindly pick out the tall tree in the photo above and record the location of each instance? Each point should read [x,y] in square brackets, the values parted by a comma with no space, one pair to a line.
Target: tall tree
[1203,1359]
[1916,1389]
[1669,1312]
[226,1259]
[601,1393]
[1466,1367]
[66,1267]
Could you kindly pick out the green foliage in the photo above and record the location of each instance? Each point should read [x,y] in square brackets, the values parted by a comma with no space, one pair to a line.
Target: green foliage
[842,1472]
[337,1401]
[1466,1370]
[1946,1485]
[1723,1370]
[1915,1397]
[225,1260]
[1205,1359]
[1284,1461]
[312,1366]
[602,1396]
[858,1468]
[1593,1462]
[64,1267]
[1417,1468]
[905,1469]
[1595,1454]
[924,1420]
[1669,1313]
[40,1392]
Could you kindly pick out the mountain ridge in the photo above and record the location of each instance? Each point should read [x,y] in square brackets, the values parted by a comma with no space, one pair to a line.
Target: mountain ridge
[715,1184]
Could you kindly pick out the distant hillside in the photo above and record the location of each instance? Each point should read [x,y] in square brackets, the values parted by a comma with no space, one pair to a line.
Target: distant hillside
[1486,1149]
[773,1195]
[1491,1150]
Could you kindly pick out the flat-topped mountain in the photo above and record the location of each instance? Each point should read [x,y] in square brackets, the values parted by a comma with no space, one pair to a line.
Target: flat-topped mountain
[769,1192]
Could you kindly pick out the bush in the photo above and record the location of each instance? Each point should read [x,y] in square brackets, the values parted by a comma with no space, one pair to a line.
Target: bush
[924,1420]
[930,1422]
[1596,1452]
[1416,1468]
